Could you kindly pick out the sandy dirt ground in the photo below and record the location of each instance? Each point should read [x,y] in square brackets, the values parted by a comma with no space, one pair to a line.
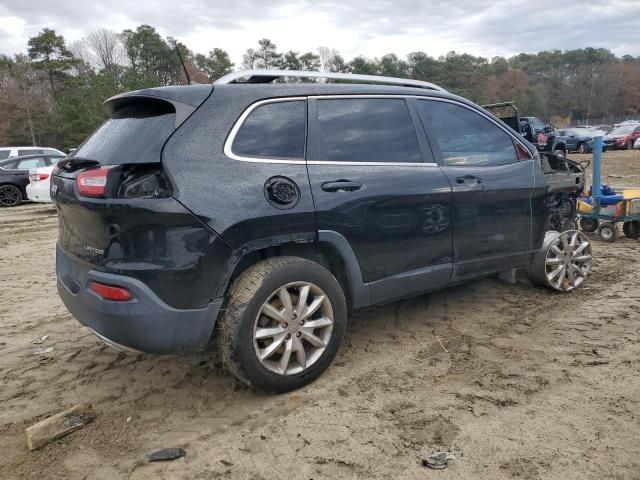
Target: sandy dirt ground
[532,384]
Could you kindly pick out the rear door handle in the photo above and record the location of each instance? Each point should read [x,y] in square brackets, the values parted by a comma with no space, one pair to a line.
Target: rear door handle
[469,180]
[341,186]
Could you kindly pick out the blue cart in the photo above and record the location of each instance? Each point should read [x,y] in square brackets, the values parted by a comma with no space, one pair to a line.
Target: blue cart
[605,208]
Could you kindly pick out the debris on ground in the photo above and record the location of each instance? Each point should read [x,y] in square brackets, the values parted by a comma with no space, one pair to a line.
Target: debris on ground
[40,340]
[438,459]
[43,351]
[167,454]
[59,425]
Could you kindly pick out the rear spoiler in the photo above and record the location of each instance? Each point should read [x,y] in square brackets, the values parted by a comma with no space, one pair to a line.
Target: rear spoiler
[184,99]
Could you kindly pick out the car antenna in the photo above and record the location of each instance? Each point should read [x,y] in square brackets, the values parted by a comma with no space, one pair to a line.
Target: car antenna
[183,66]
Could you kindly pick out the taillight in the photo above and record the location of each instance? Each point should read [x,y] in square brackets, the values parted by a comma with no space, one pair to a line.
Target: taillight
[38,177]
[111,292]
[93,183]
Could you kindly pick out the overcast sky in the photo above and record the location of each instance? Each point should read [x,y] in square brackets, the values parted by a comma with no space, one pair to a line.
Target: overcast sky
[368,27]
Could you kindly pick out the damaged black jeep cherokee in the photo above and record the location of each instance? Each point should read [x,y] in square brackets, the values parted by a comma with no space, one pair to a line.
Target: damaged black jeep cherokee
[260,213]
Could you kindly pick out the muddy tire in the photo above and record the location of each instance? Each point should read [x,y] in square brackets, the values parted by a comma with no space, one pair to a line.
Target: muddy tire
[284,320]
[608,232]
[588,224]
[564,261]
[631,229]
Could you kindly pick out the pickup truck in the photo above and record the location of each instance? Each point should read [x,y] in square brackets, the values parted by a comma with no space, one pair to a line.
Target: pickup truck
[565,177]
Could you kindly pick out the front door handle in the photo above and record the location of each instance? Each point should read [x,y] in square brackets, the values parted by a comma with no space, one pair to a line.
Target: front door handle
[469,180]
[341,186]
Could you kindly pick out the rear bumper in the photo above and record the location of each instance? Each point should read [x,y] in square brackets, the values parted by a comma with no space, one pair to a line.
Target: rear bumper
[38,193]
[144,323]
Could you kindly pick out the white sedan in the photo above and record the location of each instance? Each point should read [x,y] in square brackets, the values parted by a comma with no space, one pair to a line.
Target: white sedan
[40,182]
[637,144]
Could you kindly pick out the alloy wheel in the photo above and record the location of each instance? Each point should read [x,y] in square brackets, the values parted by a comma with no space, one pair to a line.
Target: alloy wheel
[10,196]
[293,328]
[568,261]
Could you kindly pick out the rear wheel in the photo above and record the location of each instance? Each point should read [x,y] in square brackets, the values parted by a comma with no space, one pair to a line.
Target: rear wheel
[588,224]
[10,196]
[608,232]
[284,321]
[631,229]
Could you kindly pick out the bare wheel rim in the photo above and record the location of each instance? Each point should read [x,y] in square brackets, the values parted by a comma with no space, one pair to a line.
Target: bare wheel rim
[293,328]
[568,261]
[9,196]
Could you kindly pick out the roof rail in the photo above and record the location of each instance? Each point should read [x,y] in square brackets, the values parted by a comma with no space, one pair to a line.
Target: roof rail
[268,76]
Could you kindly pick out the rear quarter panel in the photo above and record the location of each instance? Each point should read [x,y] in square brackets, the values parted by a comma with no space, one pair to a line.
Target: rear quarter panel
[227,194]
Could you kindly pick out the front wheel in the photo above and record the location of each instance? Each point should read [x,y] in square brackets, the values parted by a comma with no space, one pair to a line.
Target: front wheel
[559,153]
[564,261]
[283,324]
[582,148]
[628,145]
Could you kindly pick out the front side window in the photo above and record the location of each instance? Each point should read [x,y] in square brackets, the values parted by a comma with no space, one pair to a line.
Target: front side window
[465,137]
[366,130]
[273,130]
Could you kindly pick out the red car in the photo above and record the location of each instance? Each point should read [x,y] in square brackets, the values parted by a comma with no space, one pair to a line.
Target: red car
[624,136]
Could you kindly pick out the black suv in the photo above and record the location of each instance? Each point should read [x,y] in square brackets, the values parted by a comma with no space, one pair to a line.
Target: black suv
[260,213]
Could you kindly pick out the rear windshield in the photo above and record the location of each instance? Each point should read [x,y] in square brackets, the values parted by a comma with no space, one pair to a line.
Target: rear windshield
[134,134]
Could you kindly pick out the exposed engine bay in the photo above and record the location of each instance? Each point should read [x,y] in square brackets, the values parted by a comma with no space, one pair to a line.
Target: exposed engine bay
[566,179]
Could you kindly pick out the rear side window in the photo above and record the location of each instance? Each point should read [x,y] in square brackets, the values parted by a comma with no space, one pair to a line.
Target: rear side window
[366,130]
[135,133]
[465,137]
[273,130]
[31,163]
[4,154]
[30,151]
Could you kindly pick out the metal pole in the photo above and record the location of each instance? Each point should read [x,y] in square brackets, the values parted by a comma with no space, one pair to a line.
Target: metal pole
[597,173]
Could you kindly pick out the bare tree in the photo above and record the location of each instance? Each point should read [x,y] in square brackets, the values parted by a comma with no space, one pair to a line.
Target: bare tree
[331,60]
[102,49]
[249,59]
[28,97]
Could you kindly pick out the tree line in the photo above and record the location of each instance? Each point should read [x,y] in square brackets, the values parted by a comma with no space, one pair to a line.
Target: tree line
[53,94]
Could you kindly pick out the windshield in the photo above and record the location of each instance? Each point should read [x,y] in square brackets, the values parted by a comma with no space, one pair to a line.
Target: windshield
[580,132]
[622,130]
[537,123]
